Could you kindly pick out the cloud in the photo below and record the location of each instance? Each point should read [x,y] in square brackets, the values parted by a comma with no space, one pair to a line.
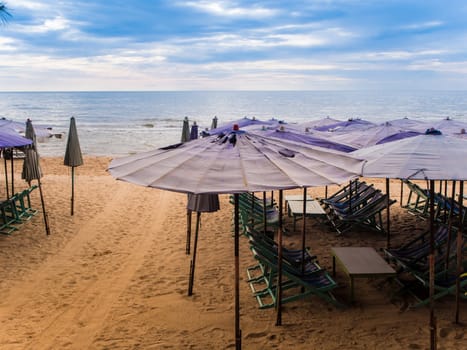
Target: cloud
[229,9]
[8,44]
[422,26]
[57,23]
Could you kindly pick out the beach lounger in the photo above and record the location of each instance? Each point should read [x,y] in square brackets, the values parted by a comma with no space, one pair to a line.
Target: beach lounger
[417,250]
[296,285]
[8,217]
[367,216]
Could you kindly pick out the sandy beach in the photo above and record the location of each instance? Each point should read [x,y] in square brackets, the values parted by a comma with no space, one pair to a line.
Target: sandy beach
[115,276]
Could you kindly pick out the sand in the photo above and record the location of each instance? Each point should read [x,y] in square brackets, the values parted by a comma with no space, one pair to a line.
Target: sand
[115,276]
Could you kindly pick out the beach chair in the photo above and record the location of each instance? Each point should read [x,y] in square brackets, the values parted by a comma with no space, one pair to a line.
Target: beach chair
[444,269]
[346,192]
[367,216]
[444,285]
[8,217]
[23,212]
[417,200]
[417,250]
[296,285]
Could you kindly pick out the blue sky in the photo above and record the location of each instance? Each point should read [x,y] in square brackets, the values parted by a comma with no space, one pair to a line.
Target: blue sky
[50,45]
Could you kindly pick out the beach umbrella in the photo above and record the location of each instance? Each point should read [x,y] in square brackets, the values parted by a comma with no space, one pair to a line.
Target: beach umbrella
[410,124]
[32,170]
[372,135]
[449,126]
[432,156]
[185,130]
[313,124]
[235,163]
[199,203]
[194,131]
[241,123]
[346,126]
[308,138]
[214,123]
[73,156]
[9,139]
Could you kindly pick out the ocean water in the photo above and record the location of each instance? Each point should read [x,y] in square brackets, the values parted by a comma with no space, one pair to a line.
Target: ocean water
[121,123]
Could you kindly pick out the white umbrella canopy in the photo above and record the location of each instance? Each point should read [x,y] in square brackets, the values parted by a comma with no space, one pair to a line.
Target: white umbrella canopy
[427,156]
[235,163]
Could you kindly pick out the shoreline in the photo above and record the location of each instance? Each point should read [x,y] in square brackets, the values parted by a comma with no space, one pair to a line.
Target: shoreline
[115,276]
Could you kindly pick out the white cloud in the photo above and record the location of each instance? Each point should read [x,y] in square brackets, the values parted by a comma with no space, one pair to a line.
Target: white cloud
[423,25]
[437,65]
[229,9]
[57,23]
[29,4]
[8,44]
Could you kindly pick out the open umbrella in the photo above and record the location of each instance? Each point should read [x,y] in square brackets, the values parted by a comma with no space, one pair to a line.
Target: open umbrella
[235,163]
[32,169]
[9,139]
[73,157]
[432,156]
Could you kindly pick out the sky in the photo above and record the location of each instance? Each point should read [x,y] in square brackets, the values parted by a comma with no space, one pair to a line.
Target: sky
[166,45]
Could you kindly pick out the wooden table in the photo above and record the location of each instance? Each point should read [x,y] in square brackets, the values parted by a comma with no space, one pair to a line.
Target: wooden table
[295,210]
[360,262]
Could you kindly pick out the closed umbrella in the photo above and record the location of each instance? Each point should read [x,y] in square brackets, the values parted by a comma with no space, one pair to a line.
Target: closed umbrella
[185,130]
[235,163]
[194,131]
[214,123]
[73,156]
[32,170]
[200,203]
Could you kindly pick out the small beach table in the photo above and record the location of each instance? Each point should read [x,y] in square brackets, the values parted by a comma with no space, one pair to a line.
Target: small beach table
[295,197]
[360,262]
[295,210]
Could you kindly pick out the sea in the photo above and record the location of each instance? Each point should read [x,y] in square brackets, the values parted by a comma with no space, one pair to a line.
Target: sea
[121,123]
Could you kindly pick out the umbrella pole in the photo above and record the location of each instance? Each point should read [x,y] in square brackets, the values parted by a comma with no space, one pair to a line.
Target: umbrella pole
[388,216]
[46,222]
[432,268]
[238,331]
[188,232]
[12,175]
[279,266]
[451,216]
[265,219]
[402,192]
[6,177]
[303,230]
[325,192]
[72,188]
[459,249]
[193,261]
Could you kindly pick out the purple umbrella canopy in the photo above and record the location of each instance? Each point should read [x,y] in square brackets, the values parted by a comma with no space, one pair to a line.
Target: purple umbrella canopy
[318,123]
[9,139]
[372,135]
[235,163]
[309,139]
[242,123]
[449,126]
[346,126]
